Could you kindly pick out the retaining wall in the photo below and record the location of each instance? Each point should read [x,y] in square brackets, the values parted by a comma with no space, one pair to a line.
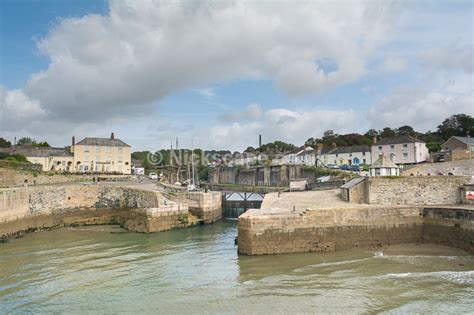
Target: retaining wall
[415,190]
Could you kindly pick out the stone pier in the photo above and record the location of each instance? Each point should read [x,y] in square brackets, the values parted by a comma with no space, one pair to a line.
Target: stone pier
[401,210]
[27,209]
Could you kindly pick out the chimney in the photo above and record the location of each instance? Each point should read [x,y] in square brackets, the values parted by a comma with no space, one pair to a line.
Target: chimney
[319,148]
[112,136]
[374,141]
[334,146]
[73,142]
[259,141]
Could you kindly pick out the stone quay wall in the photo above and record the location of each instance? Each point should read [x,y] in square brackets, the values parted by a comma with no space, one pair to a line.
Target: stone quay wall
[207,206]
[338,229]
[327,230]
[415,190]
[42,207]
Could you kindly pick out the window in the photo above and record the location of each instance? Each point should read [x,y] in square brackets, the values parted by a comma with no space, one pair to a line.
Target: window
[86,148]
[97,148]
[120,150]
[365,161]
[380,148]
[86,168]
[350,154]
[86,157]
[97,158]
[108,149]
[392,147]
[363,153]
[108,159]
[405,145]
[405,155]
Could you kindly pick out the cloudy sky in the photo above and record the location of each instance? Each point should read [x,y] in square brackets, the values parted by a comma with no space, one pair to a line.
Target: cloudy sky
[223,72]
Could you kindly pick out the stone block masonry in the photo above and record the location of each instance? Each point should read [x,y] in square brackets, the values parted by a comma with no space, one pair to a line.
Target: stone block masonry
[415,190]
[337,229]
[43,207]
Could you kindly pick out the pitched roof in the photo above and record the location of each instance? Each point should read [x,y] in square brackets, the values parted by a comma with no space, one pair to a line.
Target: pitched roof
[383,162]
[351,149]
[466,140]
[397,140]
[32,151]
[304,152]
[106,142]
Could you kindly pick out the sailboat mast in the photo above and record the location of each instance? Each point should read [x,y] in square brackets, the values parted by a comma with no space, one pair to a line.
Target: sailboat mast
[192,159]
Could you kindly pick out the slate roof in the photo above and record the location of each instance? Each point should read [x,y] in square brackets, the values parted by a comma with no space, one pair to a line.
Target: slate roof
[312,151]
[351,149]
[383,162]
[32,151]
[397,140]
[466,140]
[104,142]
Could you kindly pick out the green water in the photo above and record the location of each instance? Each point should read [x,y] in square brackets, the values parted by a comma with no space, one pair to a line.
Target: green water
[197,270]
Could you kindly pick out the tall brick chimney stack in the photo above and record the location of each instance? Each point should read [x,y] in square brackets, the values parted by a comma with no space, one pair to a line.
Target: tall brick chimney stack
[112,136]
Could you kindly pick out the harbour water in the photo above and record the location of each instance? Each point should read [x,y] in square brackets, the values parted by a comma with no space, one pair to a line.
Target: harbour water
[197,270]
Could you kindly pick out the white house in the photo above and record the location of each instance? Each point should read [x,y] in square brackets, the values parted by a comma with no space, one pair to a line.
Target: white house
[384,167]
[353,155]
[292,157]
[306,157]
[401,150]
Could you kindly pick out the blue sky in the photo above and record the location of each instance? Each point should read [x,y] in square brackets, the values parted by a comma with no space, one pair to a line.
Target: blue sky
[222,73]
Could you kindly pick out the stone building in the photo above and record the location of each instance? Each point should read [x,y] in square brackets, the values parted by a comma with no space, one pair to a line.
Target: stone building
[51,159]
[401,150]
[384,167]
[457,148]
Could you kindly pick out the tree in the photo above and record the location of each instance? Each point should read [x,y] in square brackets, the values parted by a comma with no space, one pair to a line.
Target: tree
[387,132]
[26,141]
[32,142]
[371,133]
[406,131]
[460,125]
[4,143]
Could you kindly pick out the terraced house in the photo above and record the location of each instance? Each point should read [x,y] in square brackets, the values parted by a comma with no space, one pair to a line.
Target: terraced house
[353,155]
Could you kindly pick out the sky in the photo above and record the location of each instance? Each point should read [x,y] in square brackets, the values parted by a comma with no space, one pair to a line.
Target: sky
[221,73]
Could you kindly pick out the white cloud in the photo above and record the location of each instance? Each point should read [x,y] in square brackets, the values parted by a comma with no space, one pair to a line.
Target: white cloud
[283,124]
[251,113]
[459,57]
[421,108]
[392,65]
[117,64]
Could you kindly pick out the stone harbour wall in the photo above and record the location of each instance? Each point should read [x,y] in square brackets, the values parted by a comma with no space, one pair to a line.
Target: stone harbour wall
[327,230]
[42,207]
[207,206]
[415,190]
[330,230]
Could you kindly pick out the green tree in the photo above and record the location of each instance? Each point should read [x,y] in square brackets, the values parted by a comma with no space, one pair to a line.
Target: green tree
[387,132]
[4,143]
[461,125]
[406,131]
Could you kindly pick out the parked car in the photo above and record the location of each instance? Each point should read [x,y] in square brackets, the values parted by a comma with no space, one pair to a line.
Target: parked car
[345,167]
[355,168]
[332,166]
[153,176]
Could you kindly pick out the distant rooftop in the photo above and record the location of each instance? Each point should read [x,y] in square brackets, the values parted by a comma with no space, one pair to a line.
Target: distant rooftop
[105,142]
[33,151]
[350,149]
[397,140]
[466,140]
